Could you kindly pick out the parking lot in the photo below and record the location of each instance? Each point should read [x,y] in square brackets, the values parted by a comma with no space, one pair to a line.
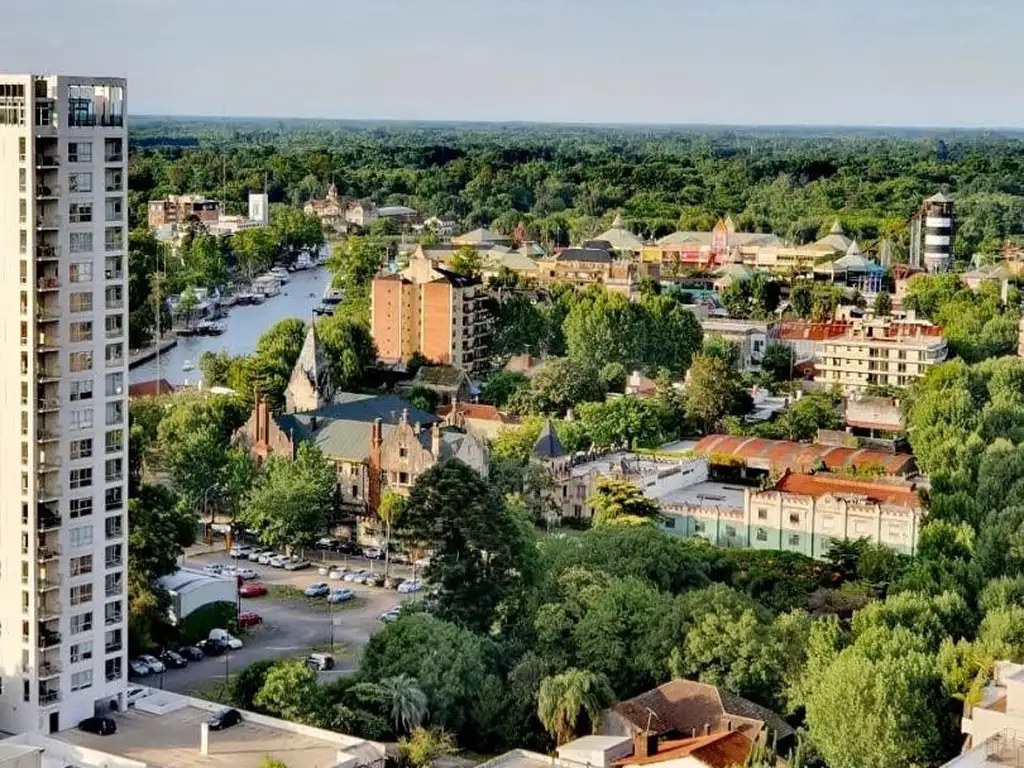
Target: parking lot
[292,625]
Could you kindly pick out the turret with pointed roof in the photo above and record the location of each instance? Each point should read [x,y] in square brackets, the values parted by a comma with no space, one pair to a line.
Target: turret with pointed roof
[548,446]
[310,386]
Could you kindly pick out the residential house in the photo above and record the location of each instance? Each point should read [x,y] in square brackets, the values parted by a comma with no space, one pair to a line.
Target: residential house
[361,213]
[448,383]
[481,238]
[402,215]
[483,421]
[996,274]
[330,210]
[428,310]
[526,364]
[440,227]
[493,258]
[593,263]
[751,336]
[873,416]
[374,441]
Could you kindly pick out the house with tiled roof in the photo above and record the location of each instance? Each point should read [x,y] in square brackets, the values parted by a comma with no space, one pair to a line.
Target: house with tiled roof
[330,210]
[484,421]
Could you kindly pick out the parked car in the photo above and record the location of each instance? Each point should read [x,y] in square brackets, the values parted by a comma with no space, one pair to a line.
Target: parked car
[255,552]
[320,661]
[246,573]
[224,718]
[214,568]
[401,558]
[327,544]
[410,586]
[240,552]
[297,565]
[249,619]
[155,665]
[266,557]
[342,595]
[354,576]
[323,570]
[173,660]
[191,652]
[135,693]
[252,589]
[101,726]
[337,573]
[373,553]
[389,616]
[318,589]
[279,562]
[138,668]
[224,637]
[374,580]
[212,647]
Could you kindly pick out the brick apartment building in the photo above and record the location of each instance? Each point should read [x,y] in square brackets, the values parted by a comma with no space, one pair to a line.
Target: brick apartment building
[432,311]
[180,209]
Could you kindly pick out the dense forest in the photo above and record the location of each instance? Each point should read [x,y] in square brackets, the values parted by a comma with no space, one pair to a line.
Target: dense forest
[567,182]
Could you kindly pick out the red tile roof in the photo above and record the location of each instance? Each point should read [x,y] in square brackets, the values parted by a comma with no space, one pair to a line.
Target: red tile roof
[782,455]
[477,411]
[149,388]
[820,485]
[719,750]
[803,330]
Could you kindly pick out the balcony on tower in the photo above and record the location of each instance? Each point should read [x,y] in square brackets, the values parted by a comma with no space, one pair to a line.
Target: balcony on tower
[48,397]
[47,217]
[47,155]
[49,693]
[48,518]
[48,581]
[47,187]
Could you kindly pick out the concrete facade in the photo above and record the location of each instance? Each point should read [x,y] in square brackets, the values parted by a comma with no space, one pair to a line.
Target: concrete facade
[63,443]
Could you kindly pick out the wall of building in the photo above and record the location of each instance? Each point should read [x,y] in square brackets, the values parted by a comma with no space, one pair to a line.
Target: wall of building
[436,329]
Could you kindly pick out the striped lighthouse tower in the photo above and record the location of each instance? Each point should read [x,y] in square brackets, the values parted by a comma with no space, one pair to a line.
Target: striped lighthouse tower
[938,233]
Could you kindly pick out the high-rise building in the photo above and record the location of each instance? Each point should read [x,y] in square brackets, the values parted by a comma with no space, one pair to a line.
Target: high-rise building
[938,233]
[63,371]
[432,311]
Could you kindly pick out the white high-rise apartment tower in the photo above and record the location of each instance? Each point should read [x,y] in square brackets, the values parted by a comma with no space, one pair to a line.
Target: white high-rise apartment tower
[63,392]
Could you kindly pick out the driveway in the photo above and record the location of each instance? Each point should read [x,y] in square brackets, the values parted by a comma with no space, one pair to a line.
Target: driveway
[291,625]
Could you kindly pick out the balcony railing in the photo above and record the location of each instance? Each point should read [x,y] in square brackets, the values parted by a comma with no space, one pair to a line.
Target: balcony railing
[115,362]
[48,314]
[115,333]
[49,669]
[48,639]
[44,404]
[45,555]
[48,222]
[113,647]
[46,583]
[47,190]
[47,435]
[115,590]
[115,675]
[47,161]
[48,611]
[114,618]
[113,157]
[48,523]
[49,698]
[47,252]
[115,562]
[115,303]
[49,373]
[114,274]
[48,283]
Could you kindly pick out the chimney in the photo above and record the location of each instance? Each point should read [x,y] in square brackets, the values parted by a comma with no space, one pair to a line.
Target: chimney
[417,428]
[405,416]
[707,728]
[435,441]
[376,432]
[645,744]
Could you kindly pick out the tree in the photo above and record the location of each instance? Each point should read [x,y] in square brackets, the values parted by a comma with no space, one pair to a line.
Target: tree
[255,249]
[483,550]
[389,510]
[712,392]
[619,502]
[187,304]
[355,262]
[801,299]
[296,230]
[722,348]
[500,386]
[276,352]
[628,421]
[349,348]
[777,361]
[614,376]
[408,702]
[520,325]
[292,503]
[288,690]
[560,385]
[566,698]
[246,685]
[423,747]
[466,261]
[883,304]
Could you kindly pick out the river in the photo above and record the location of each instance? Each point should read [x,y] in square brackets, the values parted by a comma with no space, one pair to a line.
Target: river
[245,325]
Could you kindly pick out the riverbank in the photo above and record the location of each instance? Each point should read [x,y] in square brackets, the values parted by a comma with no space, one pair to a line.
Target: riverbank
[141,356]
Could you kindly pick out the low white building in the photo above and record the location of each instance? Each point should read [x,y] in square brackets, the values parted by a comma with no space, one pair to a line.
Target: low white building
[751,337]
[994,726]
[191,589]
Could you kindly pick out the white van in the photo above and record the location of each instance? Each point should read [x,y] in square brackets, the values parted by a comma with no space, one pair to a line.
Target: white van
[225,637]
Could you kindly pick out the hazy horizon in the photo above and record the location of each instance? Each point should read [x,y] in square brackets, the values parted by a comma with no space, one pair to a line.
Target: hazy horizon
[772,63]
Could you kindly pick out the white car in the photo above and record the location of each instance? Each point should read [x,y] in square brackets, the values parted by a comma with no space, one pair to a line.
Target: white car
[225,637]
[155,665]
[135,693]
[246,573]
[278,562]
[373,553]
[240,552]
[266,557]
[255,552]
[410,586]
[337,574]
[215,568]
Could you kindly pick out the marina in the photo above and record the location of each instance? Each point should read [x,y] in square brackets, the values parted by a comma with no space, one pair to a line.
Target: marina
[247,318]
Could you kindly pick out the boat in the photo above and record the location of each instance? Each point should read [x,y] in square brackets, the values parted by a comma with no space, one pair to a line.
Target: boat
[257,298]
[267,285]
[281,274]
[188,366]
[333,296]
[210,328]
[242,299]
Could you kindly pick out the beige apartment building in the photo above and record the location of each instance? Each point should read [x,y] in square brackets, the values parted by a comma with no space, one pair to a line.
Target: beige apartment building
[63,449]
[880,351]
[432,311]
[181,209]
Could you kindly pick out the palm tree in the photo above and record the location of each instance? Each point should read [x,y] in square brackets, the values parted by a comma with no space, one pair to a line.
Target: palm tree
[389,510]
[408,702]
[562,698]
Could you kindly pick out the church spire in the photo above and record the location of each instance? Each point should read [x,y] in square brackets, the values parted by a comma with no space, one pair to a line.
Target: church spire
[310,386]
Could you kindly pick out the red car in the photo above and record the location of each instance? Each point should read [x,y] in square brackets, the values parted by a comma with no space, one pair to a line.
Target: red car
[249,619]
[254,589]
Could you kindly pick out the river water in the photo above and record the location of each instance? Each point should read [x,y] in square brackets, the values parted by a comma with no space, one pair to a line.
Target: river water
[245,325]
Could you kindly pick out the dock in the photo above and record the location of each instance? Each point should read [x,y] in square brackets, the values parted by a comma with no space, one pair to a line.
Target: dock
[140,356]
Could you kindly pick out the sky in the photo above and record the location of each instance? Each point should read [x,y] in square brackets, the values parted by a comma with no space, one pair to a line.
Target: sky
[743,62]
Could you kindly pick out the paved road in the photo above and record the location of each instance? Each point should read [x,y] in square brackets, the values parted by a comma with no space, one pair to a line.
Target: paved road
[290,626]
